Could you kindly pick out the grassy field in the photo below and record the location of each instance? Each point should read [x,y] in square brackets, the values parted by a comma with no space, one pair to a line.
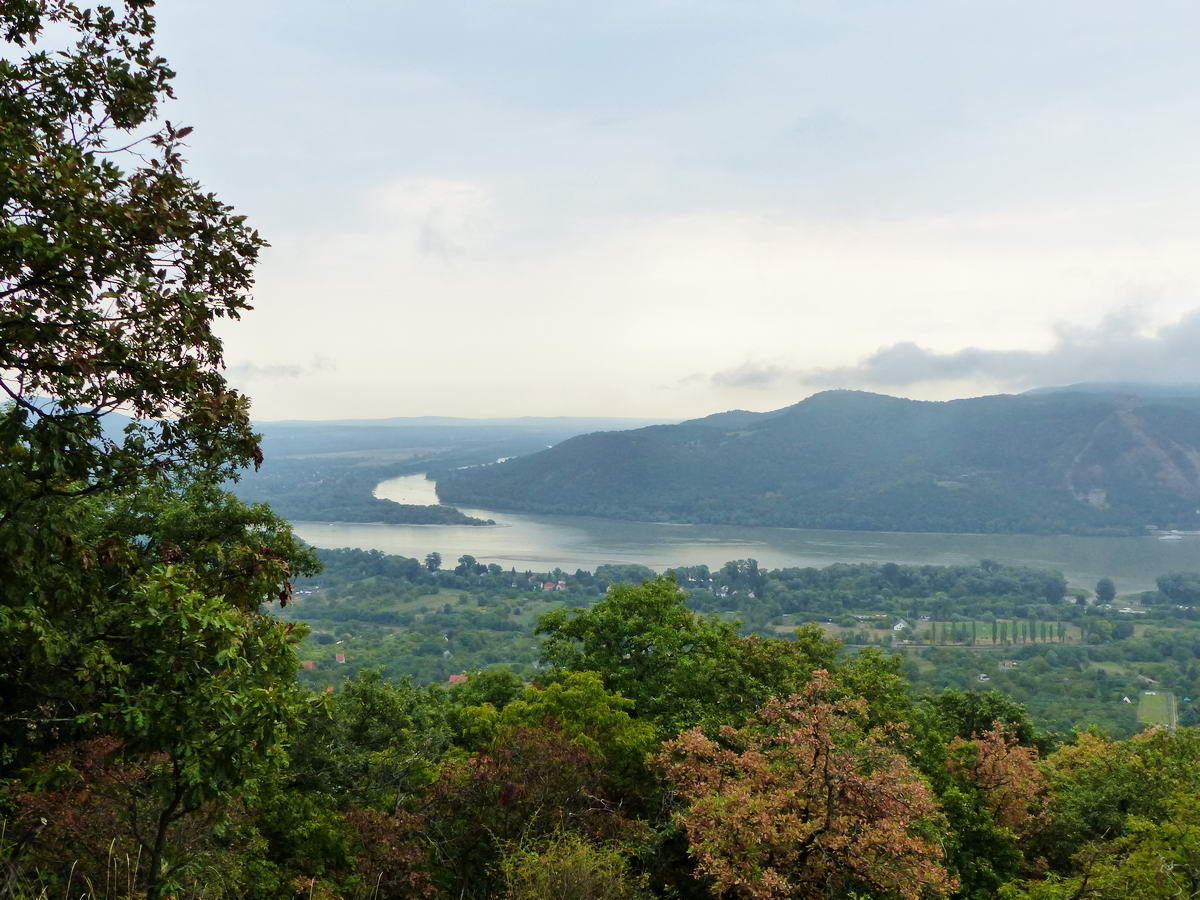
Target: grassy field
[1156,708]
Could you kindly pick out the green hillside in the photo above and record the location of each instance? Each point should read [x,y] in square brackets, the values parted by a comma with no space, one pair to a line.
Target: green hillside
[1053,462]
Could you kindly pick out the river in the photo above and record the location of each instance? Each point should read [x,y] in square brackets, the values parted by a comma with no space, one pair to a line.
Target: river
[543,542]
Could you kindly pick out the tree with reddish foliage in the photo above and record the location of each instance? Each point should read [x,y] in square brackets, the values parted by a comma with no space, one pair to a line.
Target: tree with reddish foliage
[1006,774]
[84,818]
[393,859]
[529,782]
[805,801]
[73,818]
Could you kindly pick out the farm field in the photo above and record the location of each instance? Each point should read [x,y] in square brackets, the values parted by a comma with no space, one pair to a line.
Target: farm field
[1157,708]
[923,632]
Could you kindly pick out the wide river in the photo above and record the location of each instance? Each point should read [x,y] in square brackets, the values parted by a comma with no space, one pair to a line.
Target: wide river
[575,542]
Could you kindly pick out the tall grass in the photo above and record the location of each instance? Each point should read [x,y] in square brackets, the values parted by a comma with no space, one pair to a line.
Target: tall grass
[67,882]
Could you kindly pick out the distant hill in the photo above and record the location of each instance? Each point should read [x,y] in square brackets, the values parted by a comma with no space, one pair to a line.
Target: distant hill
[505,436]
[1131,388]
[328,470]
[1056,461]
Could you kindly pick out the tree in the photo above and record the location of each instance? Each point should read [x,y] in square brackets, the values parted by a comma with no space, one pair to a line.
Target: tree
[1106,591]
[1098,784]
[113,266]
[679,668]
[527,783]
[1007,775]
[1123,819]
[375,743]
[68,605]
[1180,587]
[130,585]
[223,705]
[968,714]
[879,678]
[567,866]
[496,686]
[806,801]
[197,697]
[433,561]
[582,711]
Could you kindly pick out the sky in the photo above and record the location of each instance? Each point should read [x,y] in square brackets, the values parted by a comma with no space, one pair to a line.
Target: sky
[665,209]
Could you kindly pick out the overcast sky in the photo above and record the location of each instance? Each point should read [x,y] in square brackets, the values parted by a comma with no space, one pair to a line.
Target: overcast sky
[654,208]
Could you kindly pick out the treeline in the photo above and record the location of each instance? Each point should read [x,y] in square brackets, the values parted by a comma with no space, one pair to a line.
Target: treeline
[1179,589]
[374,570]
[428,619]
[363,584]
[986,589]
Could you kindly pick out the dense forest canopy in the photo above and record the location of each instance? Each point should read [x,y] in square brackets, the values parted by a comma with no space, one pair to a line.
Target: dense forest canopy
[156,740]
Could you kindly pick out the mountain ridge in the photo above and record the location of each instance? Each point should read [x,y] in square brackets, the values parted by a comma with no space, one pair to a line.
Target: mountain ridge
[1056,461]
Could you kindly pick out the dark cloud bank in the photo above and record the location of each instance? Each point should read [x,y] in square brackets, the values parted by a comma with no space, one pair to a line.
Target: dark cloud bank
[1118,349]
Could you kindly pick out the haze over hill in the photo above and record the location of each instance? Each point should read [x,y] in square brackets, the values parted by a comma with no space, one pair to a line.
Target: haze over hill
[1059,461]
[503,436]
[328,470]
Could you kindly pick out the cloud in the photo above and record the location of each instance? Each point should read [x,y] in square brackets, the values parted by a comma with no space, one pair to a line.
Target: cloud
[248,371]
[450,219]
[538,207]
[1119,348]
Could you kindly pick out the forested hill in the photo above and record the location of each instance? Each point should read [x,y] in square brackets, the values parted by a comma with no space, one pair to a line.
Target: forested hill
[1063,461]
